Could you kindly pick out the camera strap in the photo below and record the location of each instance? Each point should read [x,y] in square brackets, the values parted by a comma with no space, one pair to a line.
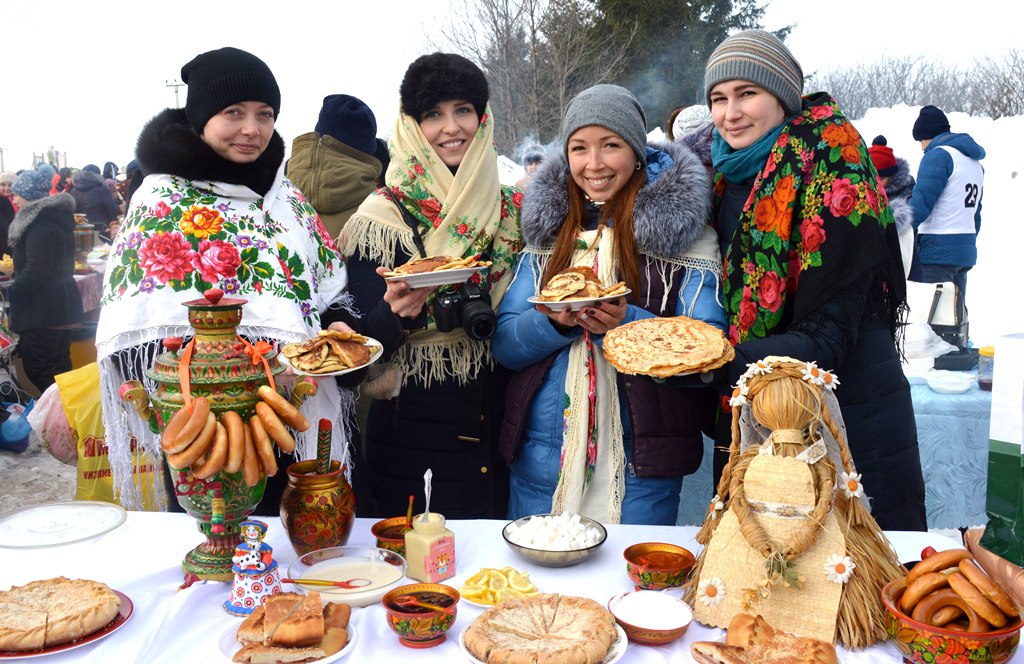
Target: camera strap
[410,221]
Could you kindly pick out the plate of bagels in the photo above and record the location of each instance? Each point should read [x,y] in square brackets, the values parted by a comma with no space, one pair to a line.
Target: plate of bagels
[575,288]
[437,271]
[330,353]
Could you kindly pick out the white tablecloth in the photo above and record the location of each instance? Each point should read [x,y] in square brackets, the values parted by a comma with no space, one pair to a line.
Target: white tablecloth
[142,559]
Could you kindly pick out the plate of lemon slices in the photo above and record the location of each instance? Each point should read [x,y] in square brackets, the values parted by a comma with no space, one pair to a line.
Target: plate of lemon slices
[491,586]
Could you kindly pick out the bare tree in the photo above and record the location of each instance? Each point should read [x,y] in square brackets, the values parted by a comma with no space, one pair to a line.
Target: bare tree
[992,88]
[537,54]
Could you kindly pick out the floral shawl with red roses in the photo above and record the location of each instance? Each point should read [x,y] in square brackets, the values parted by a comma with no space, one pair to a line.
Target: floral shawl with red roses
[181,237]
[464,214]
[815,224]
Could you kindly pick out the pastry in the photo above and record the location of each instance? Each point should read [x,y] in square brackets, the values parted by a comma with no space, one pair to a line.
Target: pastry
[542,629]
[751,640]
[577,283]
[59,610]
[291,628]
[666,347]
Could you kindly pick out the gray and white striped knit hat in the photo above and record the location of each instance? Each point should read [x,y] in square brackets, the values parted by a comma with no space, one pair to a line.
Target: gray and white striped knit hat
[761,58]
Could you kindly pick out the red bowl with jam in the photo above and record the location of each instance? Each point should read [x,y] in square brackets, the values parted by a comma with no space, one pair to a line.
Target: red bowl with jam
[390,534]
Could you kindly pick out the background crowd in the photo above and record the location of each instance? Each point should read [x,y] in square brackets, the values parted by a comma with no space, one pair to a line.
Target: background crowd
[740,219]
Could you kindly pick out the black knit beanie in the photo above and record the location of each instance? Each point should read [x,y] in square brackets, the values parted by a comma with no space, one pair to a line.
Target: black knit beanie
[350,121]
[438,77]
[930,123]
[217,79]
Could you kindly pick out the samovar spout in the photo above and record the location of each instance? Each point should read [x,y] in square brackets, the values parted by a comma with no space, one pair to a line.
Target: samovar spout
[302,390]
[134,393]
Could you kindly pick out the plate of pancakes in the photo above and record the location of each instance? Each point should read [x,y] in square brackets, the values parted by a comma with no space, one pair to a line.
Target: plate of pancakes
[437,271]
[575,288]
[330,353]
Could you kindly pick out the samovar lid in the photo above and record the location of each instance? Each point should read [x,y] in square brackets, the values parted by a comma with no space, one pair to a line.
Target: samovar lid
[214,297]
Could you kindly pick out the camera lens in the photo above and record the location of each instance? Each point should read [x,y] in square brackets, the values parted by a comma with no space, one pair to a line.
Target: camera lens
[478,320]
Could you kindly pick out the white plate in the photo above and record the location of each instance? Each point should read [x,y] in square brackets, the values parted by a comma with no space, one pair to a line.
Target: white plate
[124,612]
[615,653]
[576,305]
[458,275]
[376,350]
[949,382]
[229,645]
[56,524]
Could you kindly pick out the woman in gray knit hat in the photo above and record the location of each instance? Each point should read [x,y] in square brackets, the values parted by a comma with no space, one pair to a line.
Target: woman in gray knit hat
[812,260]
[580,436]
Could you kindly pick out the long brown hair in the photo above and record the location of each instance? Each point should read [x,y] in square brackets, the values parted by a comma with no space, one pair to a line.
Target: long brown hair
[620,210]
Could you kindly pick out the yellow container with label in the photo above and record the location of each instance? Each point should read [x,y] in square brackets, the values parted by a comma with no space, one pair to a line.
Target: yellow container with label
[430,549]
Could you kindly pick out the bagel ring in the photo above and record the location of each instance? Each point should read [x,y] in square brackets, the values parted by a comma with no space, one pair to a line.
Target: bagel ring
[926,608]
[937,562]
[974,599]
[992,592]
[921,586]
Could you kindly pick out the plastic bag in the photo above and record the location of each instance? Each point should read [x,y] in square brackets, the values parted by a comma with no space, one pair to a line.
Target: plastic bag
[14,432]
[51,426]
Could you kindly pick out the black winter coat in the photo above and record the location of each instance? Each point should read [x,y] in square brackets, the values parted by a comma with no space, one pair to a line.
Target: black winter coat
[94,200]
[44,293]
[449,428]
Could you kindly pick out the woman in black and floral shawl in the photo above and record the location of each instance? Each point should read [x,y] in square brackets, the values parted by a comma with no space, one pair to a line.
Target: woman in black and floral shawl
[812,260]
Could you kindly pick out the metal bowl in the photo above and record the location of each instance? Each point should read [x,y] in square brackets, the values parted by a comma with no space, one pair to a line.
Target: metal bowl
[548,558]
[331,564]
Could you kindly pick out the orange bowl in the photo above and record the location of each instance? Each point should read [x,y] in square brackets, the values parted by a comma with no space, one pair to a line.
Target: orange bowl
[649,617]
[390,534]
[420,627]
[923,644]
[657,565]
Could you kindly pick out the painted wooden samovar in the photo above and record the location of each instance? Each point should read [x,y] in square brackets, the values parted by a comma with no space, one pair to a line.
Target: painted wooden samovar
[227,370]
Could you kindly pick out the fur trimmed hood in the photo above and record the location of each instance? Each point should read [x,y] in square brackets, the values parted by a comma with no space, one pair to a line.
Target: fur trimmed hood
[84,181]
[901,186]
[671,210]
[30,211]
[168,145]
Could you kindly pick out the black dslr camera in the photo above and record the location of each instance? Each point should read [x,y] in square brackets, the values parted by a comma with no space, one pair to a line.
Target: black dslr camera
[469,306]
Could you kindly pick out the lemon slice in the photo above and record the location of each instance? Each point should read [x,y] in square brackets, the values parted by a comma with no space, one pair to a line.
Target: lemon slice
[508,593]
[520,581]
[497,582]
[480,578]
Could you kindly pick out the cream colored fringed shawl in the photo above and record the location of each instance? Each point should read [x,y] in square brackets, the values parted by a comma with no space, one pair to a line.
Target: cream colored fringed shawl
[179,238]
[459,215]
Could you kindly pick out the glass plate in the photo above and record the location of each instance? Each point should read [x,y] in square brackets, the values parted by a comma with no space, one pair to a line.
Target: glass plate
[57,524]
[123,614]
[376,350]
[459,275]
[576,305]
[229,645]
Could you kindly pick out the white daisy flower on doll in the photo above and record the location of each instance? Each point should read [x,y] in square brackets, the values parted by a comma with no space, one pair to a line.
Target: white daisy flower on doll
[711,592]
[812,374]
[829,380]
[851,484]
[739,395]
[838,568]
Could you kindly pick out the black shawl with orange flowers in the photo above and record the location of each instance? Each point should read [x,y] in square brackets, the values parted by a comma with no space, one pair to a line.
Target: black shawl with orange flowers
[816,224]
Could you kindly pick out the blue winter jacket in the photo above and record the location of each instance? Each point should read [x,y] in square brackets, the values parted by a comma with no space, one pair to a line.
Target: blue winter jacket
[526,337]
[932,175]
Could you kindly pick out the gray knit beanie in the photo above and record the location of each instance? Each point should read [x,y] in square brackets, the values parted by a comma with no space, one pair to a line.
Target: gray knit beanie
[610,106]
[761,58]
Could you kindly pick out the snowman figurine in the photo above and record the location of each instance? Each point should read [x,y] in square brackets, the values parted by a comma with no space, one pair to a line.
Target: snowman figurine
[256,574]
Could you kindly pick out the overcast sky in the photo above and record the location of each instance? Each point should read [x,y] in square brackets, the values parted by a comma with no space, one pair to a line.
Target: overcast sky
[85,77]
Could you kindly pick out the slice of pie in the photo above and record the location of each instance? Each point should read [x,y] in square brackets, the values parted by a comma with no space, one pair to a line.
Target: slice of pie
[751,640]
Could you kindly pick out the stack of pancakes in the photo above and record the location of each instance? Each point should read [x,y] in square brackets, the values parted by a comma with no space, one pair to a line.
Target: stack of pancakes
[436,264]
[329,351]
[664,347]
[578,283]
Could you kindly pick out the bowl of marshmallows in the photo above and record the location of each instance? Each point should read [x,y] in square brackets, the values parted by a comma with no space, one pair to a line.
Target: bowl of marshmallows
[555,540]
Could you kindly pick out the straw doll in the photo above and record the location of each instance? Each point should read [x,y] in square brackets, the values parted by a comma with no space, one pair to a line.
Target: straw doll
[780,539]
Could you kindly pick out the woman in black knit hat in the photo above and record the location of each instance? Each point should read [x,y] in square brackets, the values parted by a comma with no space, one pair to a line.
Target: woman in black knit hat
[438,396]
[812,259]
[215,210]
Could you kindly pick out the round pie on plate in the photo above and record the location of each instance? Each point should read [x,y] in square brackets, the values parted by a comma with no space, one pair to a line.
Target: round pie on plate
[51,612]
[542,629]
